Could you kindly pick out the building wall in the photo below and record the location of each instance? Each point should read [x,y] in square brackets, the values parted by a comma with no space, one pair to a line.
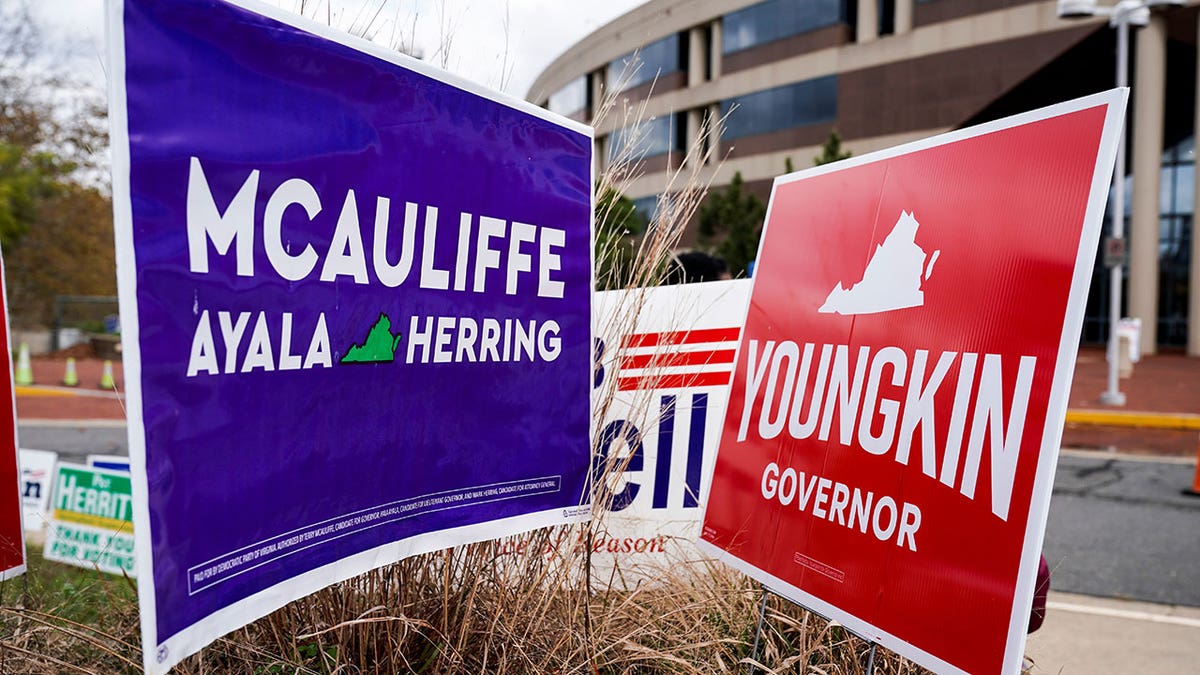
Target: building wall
[928,67]
[899,87]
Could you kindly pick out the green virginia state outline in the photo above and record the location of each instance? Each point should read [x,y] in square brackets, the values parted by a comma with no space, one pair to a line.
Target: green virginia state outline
[379,347]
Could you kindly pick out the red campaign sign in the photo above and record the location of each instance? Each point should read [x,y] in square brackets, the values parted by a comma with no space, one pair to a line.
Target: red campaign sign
[12,535]
[901,384]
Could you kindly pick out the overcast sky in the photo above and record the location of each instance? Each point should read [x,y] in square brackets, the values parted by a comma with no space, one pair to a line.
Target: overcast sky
[503,44]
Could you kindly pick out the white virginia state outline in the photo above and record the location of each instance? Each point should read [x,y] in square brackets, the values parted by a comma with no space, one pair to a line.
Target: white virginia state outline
[893,276]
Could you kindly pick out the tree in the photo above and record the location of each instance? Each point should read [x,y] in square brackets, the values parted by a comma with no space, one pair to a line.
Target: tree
[731,220]
[67,251]
[831,151]
[619,230]
[26,178]
[55,215]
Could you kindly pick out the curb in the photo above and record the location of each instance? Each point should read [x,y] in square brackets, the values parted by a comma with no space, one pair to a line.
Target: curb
[105,423]
[1121,608]
[1090,453]
[1143,420]
[24,390]
[50,390]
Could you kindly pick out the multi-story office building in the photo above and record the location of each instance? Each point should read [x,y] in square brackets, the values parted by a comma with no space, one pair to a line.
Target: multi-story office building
[883,72]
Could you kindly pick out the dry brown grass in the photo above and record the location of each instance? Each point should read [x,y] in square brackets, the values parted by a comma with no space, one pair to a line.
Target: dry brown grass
[468,610]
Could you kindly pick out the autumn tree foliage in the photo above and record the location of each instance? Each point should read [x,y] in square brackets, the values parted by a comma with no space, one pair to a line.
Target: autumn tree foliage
[55,213]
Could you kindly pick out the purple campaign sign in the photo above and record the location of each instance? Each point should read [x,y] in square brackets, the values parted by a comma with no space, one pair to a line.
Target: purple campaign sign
[356,302]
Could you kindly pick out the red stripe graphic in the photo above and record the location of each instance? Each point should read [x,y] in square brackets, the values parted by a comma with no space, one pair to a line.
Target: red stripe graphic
[679,381]
[681,337]
[698,358]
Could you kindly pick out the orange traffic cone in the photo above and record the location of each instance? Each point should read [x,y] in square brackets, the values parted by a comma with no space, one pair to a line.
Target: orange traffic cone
[1195,489]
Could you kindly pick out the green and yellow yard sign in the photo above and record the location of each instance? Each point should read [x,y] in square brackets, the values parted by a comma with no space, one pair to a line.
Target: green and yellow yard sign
[91,519]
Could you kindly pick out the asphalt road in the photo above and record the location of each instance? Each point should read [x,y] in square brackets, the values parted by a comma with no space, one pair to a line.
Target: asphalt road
[1123,529]
[1118,528]
[73,442]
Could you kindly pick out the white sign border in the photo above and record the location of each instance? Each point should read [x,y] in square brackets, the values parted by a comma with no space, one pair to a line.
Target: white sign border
[43,513]
[1060,388]
[17,570]
[159,657]
[96,460]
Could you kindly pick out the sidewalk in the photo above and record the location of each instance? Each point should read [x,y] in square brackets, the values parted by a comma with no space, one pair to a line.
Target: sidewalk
[1084,635]
[48,399]
[1164,389]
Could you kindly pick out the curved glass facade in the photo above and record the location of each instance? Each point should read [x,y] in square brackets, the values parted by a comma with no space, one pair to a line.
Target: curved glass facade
[1176,201]
[656,136]
[571,98]
[655,59]
[648,207]
[777,19]
[793,105]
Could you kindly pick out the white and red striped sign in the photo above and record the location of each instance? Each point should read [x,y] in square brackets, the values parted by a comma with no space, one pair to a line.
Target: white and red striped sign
[676,359]
[666,384]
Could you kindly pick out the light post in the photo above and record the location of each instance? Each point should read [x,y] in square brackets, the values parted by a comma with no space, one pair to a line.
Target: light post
[1121,16]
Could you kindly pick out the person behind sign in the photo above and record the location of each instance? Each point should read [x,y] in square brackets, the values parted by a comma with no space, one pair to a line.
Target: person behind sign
[689,267]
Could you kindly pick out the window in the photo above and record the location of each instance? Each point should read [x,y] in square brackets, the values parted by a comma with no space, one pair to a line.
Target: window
[1177,200]
[656,136]
[667,55]
[1176,203]
[794,105]
[778,19]
[571,98]
[647,207]
[708,53]
[887,17]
